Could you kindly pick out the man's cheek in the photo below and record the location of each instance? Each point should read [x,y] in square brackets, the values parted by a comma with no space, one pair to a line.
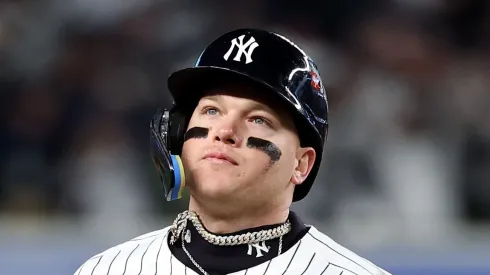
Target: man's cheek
[189,153]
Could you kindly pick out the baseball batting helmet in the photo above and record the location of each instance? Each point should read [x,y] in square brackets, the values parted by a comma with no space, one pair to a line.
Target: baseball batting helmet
[255,57]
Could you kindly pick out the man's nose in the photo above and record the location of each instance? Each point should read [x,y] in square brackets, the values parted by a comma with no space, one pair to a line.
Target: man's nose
[228,134]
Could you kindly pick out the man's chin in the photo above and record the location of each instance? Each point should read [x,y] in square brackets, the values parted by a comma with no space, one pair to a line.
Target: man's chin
[215,193]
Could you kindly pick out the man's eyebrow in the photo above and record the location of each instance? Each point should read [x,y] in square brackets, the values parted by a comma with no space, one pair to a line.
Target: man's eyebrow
[211,98]
[258,106]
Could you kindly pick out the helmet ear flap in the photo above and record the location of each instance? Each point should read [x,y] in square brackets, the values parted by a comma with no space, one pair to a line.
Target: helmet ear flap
[178,121]
[167,129]
[169,126]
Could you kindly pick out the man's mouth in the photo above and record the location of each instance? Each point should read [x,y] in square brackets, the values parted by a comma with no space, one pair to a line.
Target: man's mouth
[220,158]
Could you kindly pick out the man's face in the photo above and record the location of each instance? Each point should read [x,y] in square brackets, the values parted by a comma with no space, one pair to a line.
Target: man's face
[242,148]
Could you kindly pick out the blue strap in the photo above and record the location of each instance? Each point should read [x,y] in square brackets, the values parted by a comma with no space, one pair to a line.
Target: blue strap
[177,179]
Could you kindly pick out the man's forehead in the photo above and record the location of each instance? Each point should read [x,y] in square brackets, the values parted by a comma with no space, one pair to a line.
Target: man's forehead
[251,97]
[242,100]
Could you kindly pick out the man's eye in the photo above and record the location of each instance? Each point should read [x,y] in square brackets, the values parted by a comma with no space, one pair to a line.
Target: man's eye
[262,121]
[211,111]
[259,120]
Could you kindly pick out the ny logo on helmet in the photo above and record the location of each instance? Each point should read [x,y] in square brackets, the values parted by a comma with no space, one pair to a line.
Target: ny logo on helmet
[245,49]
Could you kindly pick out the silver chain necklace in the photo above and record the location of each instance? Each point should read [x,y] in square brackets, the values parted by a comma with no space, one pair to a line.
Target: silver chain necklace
[180,223]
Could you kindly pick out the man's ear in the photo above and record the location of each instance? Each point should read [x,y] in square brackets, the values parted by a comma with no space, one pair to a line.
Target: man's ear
[305,158]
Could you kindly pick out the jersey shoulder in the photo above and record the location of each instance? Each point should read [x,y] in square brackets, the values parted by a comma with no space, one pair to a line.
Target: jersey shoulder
[123,255]
[339,256]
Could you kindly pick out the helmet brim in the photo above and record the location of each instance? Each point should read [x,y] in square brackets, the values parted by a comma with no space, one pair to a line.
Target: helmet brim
[187,85]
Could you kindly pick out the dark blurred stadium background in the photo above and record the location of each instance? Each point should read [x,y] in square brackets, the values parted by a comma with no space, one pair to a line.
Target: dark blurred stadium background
[405,181]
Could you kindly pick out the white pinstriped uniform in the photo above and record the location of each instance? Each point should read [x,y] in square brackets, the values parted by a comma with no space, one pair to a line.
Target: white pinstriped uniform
[149,254]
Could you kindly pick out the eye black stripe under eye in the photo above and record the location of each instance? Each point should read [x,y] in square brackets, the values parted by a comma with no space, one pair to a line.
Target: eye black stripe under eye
[266,146]
[196,132]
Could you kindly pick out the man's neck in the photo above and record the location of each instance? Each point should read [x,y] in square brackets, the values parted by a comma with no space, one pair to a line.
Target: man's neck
[226,224]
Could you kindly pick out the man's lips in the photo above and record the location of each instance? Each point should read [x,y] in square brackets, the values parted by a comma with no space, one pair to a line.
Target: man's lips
[220,156]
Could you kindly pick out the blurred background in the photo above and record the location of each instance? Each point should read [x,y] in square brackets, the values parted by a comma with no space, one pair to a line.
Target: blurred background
[405,181]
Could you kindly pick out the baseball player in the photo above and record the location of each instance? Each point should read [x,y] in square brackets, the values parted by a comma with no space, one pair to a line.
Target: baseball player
[245,136]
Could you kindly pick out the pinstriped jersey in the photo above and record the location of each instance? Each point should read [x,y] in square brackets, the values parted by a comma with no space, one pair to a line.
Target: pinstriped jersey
[149,254]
